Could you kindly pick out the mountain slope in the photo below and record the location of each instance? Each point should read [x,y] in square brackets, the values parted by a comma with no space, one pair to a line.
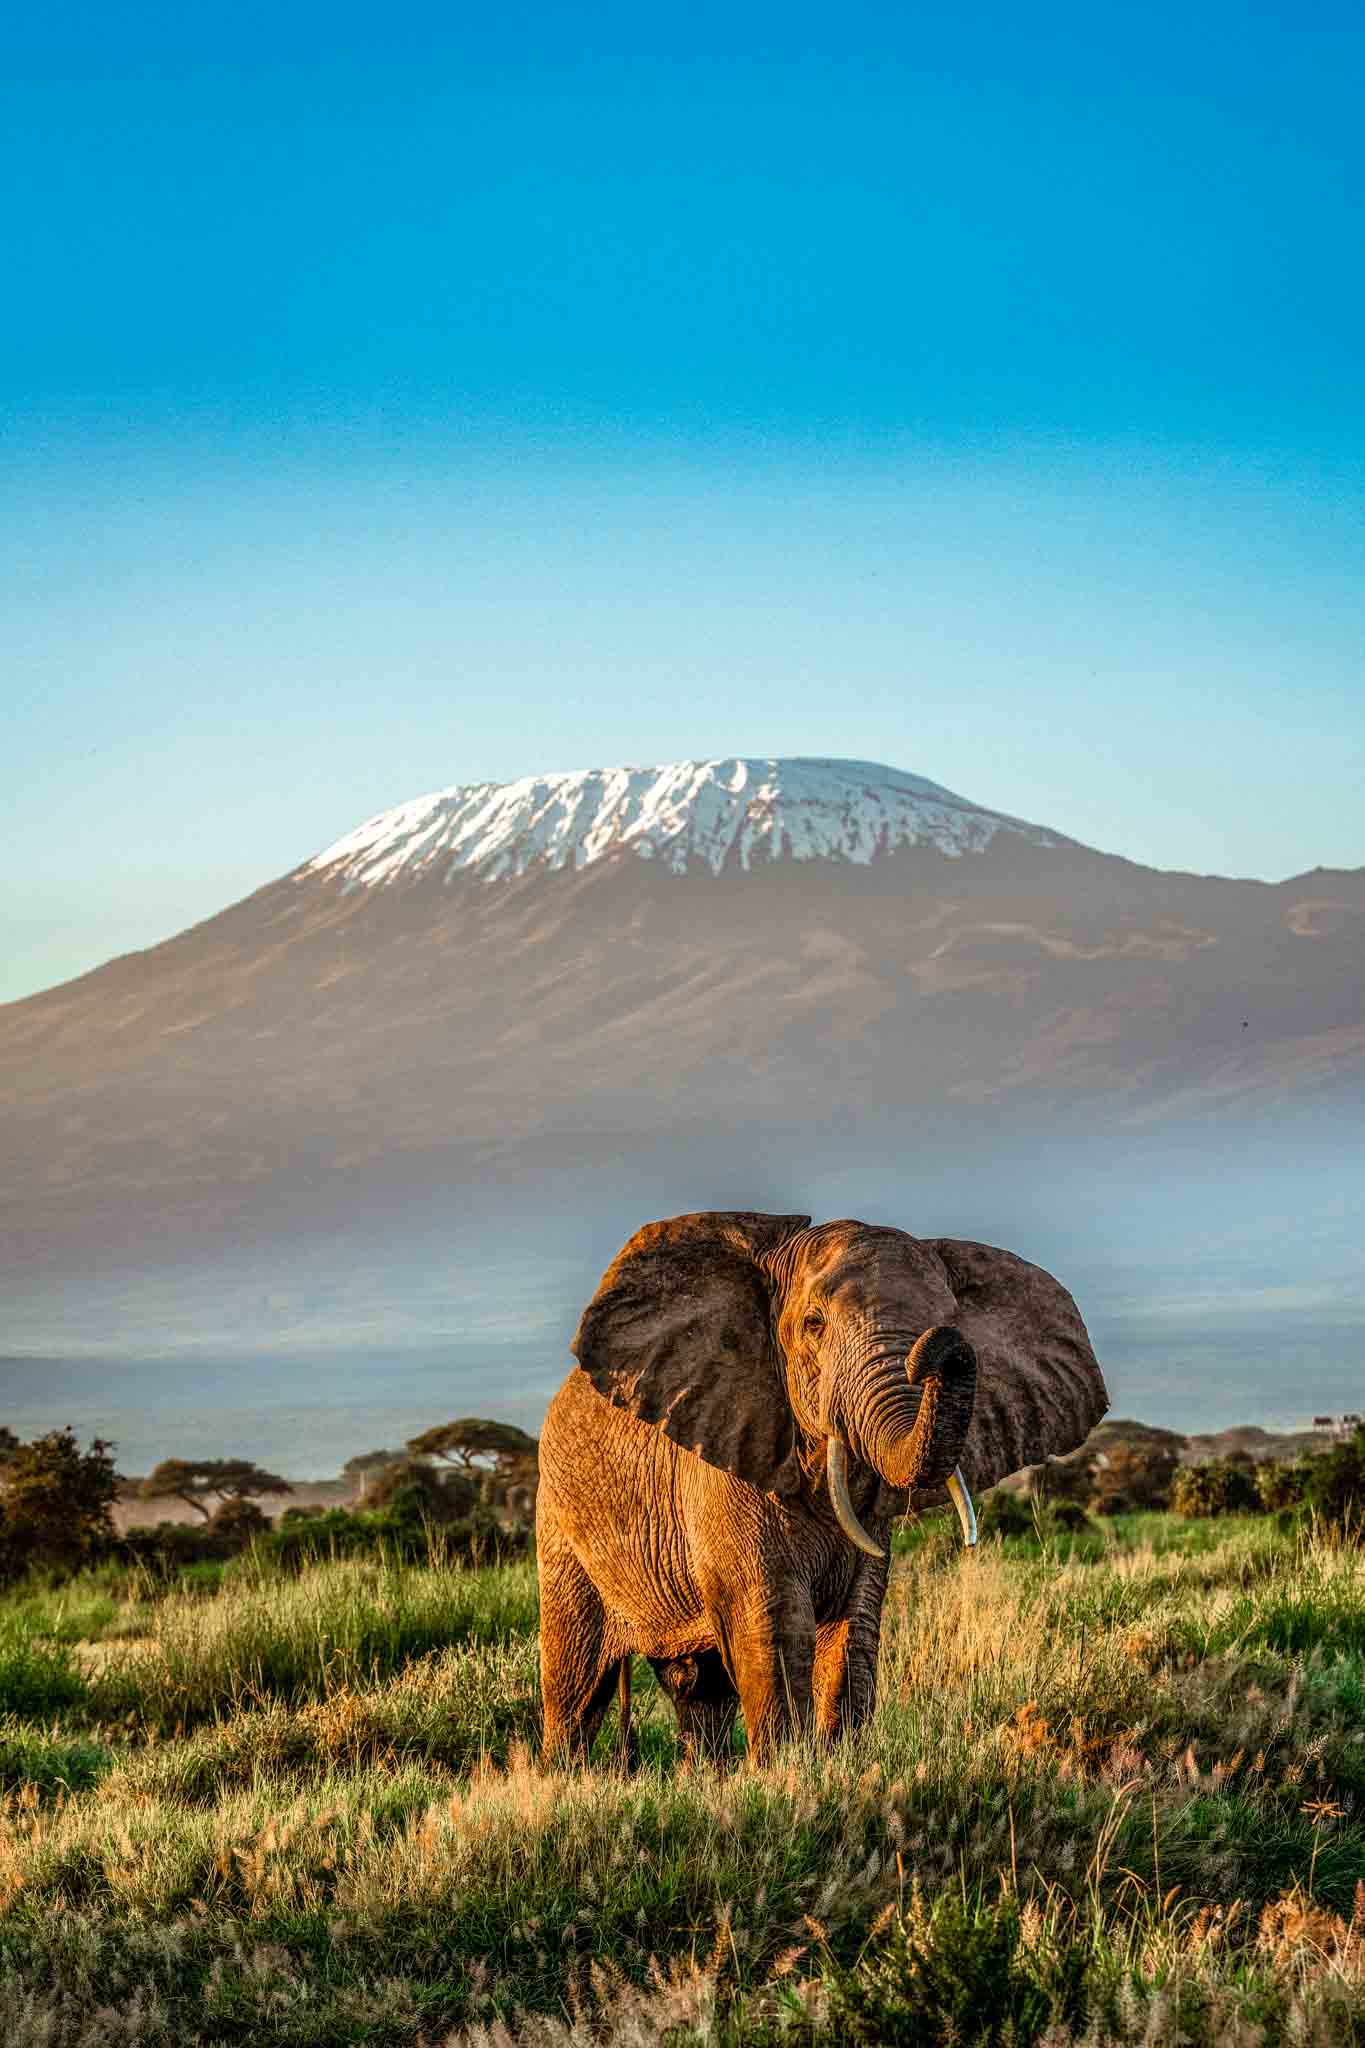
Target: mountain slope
[720,952]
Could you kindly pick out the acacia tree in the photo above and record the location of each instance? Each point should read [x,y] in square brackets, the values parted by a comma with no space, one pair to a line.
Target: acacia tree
[474,1444]
[204,1484]
[502,1458]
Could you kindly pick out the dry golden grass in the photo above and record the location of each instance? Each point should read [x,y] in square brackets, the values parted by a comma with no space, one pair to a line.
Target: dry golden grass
[312,1824]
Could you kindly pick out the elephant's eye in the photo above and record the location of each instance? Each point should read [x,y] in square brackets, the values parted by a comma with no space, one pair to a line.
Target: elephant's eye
[814,1322]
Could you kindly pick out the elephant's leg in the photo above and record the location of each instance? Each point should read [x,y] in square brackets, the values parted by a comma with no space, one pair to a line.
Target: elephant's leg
[770,1650]
[861,1649]
[705,1702]
[830,1676]
[579,1664]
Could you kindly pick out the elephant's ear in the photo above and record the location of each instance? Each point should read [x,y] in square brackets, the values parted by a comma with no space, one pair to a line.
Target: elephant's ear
[1039,1388]
[679,1333]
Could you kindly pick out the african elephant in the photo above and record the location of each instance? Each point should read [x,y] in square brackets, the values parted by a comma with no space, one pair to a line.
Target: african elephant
[754,1402]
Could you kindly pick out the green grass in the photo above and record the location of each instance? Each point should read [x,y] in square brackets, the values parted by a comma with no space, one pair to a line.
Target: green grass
[1114,1793]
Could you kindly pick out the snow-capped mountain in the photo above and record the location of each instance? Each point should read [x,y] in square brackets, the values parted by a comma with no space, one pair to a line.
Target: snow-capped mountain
[743,971]
[723,813]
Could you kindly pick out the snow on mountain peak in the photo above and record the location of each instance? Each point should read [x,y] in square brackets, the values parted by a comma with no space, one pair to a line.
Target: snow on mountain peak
[722,812]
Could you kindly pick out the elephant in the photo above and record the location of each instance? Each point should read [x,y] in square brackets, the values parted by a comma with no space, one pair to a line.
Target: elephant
[755,1401]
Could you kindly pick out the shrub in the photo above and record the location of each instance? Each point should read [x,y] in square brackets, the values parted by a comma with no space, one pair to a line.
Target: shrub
[1334,1486]
[1005,1514]
[1132,1476]
[398,1531]
[168,1547]
[1281,1484]
[340,1532]
[1218,1486]
[416,1491]
[236,1522]
[960,1971]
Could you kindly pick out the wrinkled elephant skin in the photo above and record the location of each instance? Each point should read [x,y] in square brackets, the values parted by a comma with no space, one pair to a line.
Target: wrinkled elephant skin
[754,1402]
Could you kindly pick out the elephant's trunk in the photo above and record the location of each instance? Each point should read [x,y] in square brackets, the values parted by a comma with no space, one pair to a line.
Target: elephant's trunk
[907,1418]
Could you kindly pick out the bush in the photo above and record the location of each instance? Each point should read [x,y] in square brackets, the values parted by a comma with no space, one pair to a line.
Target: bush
[1334,1486]
[1005,1514]
[1281,1484]
[171,1547]
[961,1971]
[1129,1477]
[398,1531]
[168,1547]
[1218,1486]
[341,1532]
[416,1491]
[236,1522]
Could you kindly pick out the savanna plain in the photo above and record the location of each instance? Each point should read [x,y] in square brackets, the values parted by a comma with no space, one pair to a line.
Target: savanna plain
[1114,1792]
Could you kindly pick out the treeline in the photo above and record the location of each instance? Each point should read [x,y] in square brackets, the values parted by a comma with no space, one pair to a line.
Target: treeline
[464,1491]
[1128,1467]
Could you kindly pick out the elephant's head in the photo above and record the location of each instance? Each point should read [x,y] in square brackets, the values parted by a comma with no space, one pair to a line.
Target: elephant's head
[757,1342]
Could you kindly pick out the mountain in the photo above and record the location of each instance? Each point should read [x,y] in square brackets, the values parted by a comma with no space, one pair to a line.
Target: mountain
[714,961]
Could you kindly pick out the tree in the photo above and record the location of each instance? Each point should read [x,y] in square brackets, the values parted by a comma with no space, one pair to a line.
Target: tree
[474,1444]
[503,1458]
[9,1444]
[55,1502]
[204,1482]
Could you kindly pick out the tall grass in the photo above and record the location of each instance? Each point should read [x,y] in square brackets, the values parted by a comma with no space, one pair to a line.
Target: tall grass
[1105,1798]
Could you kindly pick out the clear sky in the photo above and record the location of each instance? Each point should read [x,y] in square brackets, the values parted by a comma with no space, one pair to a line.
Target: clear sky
[401,397]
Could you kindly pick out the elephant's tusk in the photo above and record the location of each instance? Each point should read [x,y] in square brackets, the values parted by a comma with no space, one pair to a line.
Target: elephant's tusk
[836,1466]
[961,1499]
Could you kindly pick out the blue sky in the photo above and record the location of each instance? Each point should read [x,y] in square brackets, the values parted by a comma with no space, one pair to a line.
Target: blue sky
[389,402]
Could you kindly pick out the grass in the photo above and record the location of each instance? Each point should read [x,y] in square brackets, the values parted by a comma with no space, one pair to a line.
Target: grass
[1114,1793]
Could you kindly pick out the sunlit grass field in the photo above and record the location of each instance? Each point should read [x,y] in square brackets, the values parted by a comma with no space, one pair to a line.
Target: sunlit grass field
[1114,1793]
